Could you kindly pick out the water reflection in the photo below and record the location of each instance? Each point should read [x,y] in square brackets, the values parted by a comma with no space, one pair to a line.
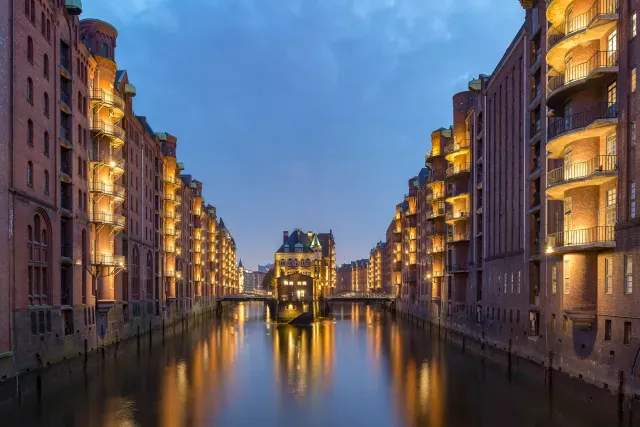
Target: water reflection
[360,367]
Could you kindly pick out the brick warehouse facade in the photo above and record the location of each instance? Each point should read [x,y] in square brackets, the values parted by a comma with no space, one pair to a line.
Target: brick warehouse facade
[527,227]
[105,233]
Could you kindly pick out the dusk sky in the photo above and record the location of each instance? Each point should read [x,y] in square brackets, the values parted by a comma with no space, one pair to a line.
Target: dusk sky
[305,114]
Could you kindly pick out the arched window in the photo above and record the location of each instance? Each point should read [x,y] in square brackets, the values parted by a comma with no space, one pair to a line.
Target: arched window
[79,166]
[79,101]
[46,143]
[46,104]
[149,277]
[45,66]
[136,274]
[27,9]
[42,25]
[84,169]
[30,132]
[283,262]
[79,199]
[33,11]
[84,266]
[104,50]
[30,49]
[295,262]
[85,202]
[38,266]
[46,182]
[30,90]
[30,174]
[84,103]
[48,30]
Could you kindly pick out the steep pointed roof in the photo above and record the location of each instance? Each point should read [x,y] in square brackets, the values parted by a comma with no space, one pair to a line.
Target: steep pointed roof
[315,243]
[240,264]
[298,239]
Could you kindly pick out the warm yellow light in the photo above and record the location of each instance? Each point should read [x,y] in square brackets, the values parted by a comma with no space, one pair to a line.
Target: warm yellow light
[549,249]
[112,163]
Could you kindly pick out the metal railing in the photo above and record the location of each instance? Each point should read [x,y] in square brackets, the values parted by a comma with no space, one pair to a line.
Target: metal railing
[602,233]
[601,111]
[459,214]
[457,268]
[436,212]
[432,196]
[454,146]
[582,170]
[456,190]
[108,259]
[108,218]
[107,128]
[107,159]
[573,73]
[456,169]
[66,134]
[460,237]
[582,21]
[106,188]
[106,98]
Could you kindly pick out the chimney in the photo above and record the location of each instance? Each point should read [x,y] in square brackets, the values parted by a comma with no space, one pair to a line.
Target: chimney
[285,236]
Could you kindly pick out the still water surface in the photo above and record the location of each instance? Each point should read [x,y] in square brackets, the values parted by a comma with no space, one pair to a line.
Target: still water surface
[360,368]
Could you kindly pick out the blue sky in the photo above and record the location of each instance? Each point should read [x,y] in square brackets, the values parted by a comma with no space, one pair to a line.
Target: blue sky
[304,113]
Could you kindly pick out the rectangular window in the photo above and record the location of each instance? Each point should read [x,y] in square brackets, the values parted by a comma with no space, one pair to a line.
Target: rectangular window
[633,79]
[632,201]
[634,24]
[628,274]
[553,322]
[519,288]
[607,330]
[608,275]
[627,332]
[565,324]
[632,134]
[565,284]
[554,278]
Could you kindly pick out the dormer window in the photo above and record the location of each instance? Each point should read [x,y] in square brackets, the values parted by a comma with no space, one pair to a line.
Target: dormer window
[286,248]
[298,249]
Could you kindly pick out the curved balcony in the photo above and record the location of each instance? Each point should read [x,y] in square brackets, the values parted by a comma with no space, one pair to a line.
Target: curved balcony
[435,213]
[556,11]
[435,250]
[113,102]
[459,237]
[602,65]
[458,169]
[173,198]
[116,166]
[432,154]
[599,237]
[453,216]
[455,192]
[434,196]
[172,180]
[110,219]
[596,122]
[457,268]
[112,190]
[108,260]
[456,148]
[114,132]
[581,29]
[596,171]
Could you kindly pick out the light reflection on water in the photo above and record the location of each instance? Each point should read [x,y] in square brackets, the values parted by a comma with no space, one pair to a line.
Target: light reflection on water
[360,367]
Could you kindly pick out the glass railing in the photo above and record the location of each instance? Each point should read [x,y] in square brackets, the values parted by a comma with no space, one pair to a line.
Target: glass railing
[582,170]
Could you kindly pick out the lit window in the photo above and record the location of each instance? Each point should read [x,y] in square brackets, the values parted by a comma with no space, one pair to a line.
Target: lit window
[634,24]
[633,79]
[632,200]
[628,274]
[565,284]
[519,288]
[608,275]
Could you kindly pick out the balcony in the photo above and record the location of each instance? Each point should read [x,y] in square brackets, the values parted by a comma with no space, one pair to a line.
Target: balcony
[596,171]
[458,169]
[435,250]
[434,196]
[397,266]
[435,274]
[104,159]
[436,213]
[110,219]
[172,180]
[457,268]
[456,148]
[113,102]
[457,191]
[603,64]
[581,29]
[397,237]
[115,132]
[198,222]
[112,190]
[595,122]
[432,154]
[459,237]
[600,237]
[108,260]
[173,198]
[453,216]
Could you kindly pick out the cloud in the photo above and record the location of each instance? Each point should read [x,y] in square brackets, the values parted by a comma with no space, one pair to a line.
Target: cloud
[148,12]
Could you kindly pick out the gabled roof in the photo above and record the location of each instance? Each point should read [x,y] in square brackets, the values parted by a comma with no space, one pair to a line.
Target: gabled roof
[298,239]
[240,264]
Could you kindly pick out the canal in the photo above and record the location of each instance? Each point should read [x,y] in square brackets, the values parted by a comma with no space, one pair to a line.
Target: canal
[361,367]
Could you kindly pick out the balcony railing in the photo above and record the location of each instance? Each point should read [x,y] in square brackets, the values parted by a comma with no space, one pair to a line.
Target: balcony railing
[573,73]
[107,128]
[105,97]
[457,190]
[433,196]
[457,169]
[108,260]
[108,218]
[433,153]
[460,237]
[601,111]
[582,170]
[453,215]
[107,159]
[582,21]
[455,146]
[109,189]
[439,211]
[586,236]
[457,268]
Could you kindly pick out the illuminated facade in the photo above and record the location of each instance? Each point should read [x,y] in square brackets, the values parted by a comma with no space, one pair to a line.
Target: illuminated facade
[375,271]
[304,253]
[103,226]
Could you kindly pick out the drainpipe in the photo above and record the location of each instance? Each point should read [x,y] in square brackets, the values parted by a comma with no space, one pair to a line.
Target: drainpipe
[12,270]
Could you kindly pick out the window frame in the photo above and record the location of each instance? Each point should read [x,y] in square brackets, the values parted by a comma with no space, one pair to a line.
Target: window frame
[628,274]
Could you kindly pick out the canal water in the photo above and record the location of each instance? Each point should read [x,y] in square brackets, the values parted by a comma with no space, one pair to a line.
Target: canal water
[360,367]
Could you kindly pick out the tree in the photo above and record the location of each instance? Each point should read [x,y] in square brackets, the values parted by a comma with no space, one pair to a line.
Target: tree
[268,282]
